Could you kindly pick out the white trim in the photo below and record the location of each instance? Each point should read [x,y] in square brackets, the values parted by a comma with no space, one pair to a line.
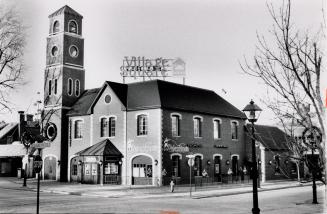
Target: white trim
[70,94]
[148,120]
[238,130]
[221,122]
[79,87]
[235,155]
[131,165]
[73,20]
[72,64]
[145,113]
[57,167]
[73,35]
[176,154]
[198,154]
[69,163]
[198,116]
[176,114]
[66,65]
[74,121]
[217,155]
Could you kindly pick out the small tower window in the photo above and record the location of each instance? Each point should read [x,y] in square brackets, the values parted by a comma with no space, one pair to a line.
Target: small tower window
[55,86]
[54,51]
[70,87]
[50,86]
[72,27]
[73,51]
[55,27]
[77,88]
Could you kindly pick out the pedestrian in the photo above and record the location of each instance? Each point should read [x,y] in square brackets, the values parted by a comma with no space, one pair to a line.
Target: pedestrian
[242,174]
[172,185]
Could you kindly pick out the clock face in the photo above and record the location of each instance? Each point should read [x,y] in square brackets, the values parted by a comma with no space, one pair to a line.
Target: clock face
[73,51]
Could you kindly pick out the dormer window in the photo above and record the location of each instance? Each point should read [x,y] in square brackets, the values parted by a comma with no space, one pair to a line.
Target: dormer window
[55,27]
[72,27]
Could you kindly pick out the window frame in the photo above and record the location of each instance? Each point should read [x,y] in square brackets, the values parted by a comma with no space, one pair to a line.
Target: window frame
[80,134]
[72,21]
[142,129]
[177,132]
[104,127]
[56,27]
[70,86]
[199,133]
[176,173]
[219,128]
[77,92]
[50,87]
[112,128]
[237,130]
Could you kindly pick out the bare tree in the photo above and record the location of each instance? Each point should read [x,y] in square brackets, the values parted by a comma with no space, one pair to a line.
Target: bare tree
[290,65]
[12,41]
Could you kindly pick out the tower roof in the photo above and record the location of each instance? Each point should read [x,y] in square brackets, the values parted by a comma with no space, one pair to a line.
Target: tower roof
[65,10]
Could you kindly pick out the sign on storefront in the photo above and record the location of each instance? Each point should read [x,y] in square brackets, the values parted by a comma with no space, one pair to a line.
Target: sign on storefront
[172,146]
[41,145]
[90,159]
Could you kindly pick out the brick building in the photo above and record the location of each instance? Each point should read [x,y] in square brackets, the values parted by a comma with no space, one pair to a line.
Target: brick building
[137,133]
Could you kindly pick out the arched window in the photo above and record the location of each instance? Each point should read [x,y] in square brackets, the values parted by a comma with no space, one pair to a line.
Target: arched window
[55,27]
[234,126]
[197,166]
[77,88]
[142,124]
[175,125]
[104,127]
[112,126]
[70,87]
[55,86]
[78,129]
[217,129]
[50,86]
[72,27]
[197,127]
[175,166]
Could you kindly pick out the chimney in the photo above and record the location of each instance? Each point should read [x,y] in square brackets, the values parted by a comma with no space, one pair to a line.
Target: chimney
[21,123]
[29,117]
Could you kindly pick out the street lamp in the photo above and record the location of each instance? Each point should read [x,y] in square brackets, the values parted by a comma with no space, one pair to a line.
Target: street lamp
[252,112]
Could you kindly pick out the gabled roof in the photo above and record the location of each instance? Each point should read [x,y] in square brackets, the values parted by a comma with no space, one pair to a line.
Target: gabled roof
[65,9]
[271,137]
[83,104]
[104,147]
[7,128]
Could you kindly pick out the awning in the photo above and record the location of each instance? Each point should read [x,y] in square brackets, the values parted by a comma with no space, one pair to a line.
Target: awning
[12,150]
[104,147]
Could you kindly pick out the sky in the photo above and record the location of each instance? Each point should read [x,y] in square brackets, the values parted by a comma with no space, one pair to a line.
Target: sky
[212,37]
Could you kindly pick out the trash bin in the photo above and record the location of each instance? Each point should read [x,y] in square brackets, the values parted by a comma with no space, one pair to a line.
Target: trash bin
[19,173]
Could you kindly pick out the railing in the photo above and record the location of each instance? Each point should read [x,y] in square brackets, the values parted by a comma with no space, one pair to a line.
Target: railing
[112,179]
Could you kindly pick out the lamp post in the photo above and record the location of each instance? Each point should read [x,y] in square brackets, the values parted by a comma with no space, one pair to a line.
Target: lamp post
[252,112]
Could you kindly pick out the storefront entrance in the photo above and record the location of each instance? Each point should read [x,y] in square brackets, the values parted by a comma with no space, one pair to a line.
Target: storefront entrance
[142,170]
[50,164]
[91,173]
[217,169]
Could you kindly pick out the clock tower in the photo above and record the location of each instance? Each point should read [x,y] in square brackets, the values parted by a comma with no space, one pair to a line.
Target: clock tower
[64,82]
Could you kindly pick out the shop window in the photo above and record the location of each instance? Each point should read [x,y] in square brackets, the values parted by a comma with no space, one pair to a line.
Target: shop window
[217,129]
[111,169]
[112,127]
[197,127]
[234,130]
[104,127]
[176,166]
[175,125]
[74,169]
[139,170]
[197,166]
[78,129]
[142,124]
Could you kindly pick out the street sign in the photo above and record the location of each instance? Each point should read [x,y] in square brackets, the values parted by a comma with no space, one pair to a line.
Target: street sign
[41,145]
[190,162]
[37,163]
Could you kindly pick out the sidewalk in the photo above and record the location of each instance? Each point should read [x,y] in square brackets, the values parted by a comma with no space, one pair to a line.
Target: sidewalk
[118,191]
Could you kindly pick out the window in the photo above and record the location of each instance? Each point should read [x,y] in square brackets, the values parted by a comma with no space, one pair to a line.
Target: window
[216,129]
[277,164]
[70,87]
[197,127]
[54,51]
[112,127]
[104,127]
[175,164]
[175,125]
[142,124]
[72,28]
[234,130]
[74,169]
[77,88]
[73,51]
[78,129]
[197,166]
[55,86]
[50,87]
[217,165]
[139,170]
[55,27]
[111,168]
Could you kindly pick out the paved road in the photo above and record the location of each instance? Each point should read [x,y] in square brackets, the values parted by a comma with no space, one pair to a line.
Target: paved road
[295,200]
